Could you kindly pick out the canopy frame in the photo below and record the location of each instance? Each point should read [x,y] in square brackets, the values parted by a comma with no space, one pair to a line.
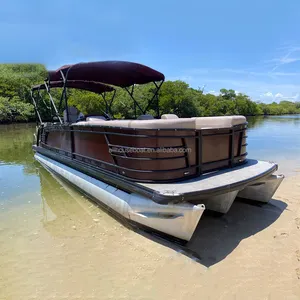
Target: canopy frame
[64,97]
[52,104]
[155,96]
[137,74]
[130,92]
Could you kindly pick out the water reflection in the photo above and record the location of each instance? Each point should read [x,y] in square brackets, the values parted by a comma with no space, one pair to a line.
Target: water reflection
[258,121]
[65,210]
[15,146]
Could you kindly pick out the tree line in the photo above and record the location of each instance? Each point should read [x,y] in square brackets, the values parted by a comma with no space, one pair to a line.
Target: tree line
[175,97]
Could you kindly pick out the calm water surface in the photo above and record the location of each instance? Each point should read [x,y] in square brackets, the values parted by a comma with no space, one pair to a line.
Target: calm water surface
[276,138]
[39,213]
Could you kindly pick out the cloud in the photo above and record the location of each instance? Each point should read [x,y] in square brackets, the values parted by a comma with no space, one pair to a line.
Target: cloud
[286,59]
[214,93]
[255,86]
[258,81]
[268,94]
[270,97]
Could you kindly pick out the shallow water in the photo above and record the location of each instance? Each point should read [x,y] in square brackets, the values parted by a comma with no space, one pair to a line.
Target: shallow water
[55,243]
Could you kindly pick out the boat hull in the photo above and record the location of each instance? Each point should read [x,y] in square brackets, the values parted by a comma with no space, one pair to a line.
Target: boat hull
[177,220]
[262,191]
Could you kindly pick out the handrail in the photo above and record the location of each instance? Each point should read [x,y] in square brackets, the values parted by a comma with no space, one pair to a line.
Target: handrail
[197,168]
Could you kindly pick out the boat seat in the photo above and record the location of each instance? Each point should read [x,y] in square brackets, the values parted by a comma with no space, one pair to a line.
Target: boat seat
[180,123]
[73,114]
[169,116]
[187,123]
[96,118]
[145,117]
[218,122]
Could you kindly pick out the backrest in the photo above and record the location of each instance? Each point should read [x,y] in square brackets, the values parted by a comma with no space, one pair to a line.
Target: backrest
[96,118]
[218,122]
[73,114]
[145,117]
[176,123]
[186,123]
[169,116]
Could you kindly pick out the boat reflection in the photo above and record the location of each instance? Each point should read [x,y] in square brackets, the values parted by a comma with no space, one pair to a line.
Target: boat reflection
[65,210]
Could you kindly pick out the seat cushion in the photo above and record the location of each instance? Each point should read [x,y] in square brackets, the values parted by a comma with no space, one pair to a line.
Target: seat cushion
[169,116]
[218,122]
[96,118]
[186,123]
[73,114]
[180,123]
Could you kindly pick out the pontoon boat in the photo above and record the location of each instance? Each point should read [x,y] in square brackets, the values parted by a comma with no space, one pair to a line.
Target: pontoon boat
[158,171]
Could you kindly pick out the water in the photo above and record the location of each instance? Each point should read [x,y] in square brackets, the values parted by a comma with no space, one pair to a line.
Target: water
[52,238]
[276,138]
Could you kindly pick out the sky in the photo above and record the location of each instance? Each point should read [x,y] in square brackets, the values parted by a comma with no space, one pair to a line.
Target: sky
[252,47]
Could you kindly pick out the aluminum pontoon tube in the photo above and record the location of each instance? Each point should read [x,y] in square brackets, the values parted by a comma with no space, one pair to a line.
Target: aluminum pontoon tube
[262,191]
[178,220]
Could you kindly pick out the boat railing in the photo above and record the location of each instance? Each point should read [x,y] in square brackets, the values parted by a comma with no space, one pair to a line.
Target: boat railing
[133,152]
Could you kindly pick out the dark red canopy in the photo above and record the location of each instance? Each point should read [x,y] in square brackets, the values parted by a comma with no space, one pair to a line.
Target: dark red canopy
[91,86]
[118,73]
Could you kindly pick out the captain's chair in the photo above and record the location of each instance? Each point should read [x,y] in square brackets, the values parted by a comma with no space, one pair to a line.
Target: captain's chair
[73,114]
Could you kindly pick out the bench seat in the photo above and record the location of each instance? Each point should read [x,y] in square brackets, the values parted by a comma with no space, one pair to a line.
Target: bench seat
[180,123]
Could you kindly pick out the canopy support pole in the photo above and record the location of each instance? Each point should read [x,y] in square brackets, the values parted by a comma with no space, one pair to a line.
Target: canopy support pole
[64,93]
[52,102]
[40,97]
[111,102]
[35,108]
[108,105]
[134,101]
[155,96]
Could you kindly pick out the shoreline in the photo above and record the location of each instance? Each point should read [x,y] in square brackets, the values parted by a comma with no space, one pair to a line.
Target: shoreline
[34,122]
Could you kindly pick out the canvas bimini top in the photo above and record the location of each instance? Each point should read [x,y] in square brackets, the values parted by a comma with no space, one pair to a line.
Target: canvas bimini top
[100,77]
[96,87]
[118,73]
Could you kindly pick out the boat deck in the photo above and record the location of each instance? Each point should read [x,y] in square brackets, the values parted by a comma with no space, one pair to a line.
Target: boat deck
[211,184]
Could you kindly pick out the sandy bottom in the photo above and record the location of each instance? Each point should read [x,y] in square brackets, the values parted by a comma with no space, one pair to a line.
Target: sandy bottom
[67,248]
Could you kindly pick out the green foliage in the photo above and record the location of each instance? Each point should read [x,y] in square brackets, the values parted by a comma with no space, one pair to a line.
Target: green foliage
[15,83]
[86,102]
[175,97]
